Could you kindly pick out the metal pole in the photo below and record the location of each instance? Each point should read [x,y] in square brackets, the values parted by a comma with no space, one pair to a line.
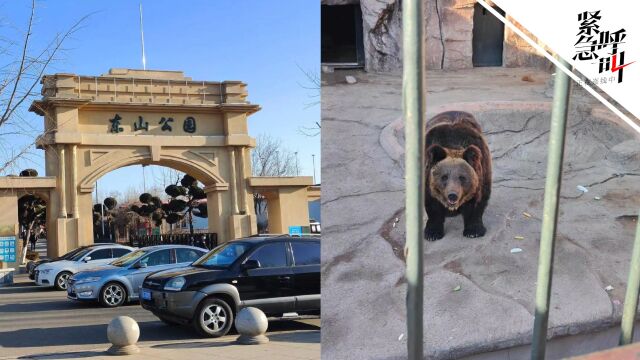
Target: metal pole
[631,297]
[144,60]
[561,91]
[313,157]
[413,96]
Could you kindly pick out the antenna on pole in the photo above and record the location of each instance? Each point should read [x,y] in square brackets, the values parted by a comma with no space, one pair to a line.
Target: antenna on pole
[144,60]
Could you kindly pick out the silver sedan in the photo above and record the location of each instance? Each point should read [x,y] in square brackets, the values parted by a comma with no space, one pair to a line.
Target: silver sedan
[114,284]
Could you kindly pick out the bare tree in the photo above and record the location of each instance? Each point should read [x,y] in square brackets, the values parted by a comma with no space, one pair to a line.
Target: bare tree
[21,68]
[313,87]
[269,158]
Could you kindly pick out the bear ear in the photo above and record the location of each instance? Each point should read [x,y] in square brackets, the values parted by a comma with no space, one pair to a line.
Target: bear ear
[435,153]
[473,155]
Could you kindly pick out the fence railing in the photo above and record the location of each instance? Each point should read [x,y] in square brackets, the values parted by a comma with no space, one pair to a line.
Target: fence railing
[205,241]
[413,109]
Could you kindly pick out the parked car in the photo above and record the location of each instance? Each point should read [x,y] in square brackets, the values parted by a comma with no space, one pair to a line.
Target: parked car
[114,284]
[31,265]
[56,273]
[276,274]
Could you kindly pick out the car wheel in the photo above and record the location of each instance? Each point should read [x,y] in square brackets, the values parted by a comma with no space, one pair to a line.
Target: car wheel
[213,318]
[61,280]
[113,294]
[167,321]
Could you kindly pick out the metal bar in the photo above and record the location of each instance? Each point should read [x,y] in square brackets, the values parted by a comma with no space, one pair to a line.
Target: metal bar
[631,297]
[413,96]
[561,90]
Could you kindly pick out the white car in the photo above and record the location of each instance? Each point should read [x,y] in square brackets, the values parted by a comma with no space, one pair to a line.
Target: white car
[56,273]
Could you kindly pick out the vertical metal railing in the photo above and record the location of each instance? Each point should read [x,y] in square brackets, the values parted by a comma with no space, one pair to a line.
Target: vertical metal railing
[413,96]
[561,89]
[631,297]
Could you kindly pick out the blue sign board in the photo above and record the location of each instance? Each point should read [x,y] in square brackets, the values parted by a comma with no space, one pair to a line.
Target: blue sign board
[8,248]
[295,230]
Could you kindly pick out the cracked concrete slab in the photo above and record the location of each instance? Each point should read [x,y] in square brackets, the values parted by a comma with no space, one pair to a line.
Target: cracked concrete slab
[363,207]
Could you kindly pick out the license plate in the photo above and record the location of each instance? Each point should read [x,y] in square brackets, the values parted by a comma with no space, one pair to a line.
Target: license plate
[146,294]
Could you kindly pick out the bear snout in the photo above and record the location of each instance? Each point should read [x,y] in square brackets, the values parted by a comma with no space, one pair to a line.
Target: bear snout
[452,197]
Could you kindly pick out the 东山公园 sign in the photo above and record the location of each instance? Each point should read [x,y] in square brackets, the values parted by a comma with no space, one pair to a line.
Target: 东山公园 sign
[166,123]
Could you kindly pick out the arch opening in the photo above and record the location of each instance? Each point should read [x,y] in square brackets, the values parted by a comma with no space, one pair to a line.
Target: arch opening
[145,201]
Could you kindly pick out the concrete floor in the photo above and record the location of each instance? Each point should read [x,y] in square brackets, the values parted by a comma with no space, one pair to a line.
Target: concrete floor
[43,324]
[363,205]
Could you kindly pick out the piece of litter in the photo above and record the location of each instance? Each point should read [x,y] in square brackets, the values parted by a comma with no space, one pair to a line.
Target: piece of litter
[526,214]
[519,237]
[616,302]
[582,188]
[400,337]
[350,79]
[516,250]
[597,198]
[608,288]
[457,288]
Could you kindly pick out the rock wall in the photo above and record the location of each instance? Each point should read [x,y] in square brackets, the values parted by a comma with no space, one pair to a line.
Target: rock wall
[382,28]
[518,53]
[449,30]
[449,35]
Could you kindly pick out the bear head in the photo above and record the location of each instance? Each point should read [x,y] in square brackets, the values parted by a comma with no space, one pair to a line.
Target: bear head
[454,175]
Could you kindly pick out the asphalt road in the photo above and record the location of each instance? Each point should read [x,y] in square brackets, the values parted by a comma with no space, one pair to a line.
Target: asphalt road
[34,320]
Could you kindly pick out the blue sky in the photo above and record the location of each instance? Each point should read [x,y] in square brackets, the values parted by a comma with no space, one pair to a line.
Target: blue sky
[259,42]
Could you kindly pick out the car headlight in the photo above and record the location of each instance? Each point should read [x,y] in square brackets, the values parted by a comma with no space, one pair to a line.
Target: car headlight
[87,280]
[45,271]
[175,284]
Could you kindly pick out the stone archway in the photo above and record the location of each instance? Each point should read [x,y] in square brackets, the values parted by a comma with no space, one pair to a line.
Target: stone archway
[94,125]
[97,163]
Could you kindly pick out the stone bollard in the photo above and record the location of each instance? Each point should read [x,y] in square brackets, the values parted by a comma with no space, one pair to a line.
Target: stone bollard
[123,332]
[251,324]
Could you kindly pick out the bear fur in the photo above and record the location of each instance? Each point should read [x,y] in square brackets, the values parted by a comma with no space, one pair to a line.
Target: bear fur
[458,173]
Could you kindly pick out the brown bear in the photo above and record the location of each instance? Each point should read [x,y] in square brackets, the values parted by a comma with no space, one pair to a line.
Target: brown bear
[458,173]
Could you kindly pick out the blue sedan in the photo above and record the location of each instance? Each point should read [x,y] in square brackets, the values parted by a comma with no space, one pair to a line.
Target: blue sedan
[114,284]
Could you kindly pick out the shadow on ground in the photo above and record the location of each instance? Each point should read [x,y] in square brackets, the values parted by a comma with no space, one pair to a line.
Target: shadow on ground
[302,332]
[149,331]
[87,334]
[25,287]
[44,306]
[69,355]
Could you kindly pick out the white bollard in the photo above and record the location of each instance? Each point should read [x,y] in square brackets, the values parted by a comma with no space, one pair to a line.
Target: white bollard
[251,324]
[123,332]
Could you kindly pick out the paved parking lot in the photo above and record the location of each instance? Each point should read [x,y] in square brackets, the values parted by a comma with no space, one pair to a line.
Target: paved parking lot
[43,323]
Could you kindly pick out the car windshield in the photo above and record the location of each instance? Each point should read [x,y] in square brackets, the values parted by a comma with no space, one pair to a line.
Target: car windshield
[130,258]
[79,255]
[224,255]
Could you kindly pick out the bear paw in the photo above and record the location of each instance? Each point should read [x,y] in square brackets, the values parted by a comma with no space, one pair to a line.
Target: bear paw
[432,234]
[474,232]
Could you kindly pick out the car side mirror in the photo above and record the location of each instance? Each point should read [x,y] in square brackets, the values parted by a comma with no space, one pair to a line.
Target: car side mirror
[87,259]
[251,264]
[141,265]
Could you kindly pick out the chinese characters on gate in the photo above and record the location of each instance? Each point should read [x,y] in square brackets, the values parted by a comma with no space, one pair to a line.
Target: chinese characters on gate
[188,125]
[601,47]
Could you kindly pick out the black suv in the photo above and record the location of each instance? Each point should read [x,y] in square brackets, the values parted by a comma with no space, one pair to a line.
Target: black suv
[275,274]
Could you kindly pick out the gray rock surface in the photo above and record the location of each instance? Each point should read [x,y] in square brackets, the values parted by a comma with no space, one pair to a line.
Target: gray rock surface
[363,264]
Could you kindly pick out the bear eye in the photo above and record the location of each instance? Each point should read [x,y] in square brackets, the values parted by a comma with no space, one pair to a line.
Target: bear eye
[444,178]
[462,178]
